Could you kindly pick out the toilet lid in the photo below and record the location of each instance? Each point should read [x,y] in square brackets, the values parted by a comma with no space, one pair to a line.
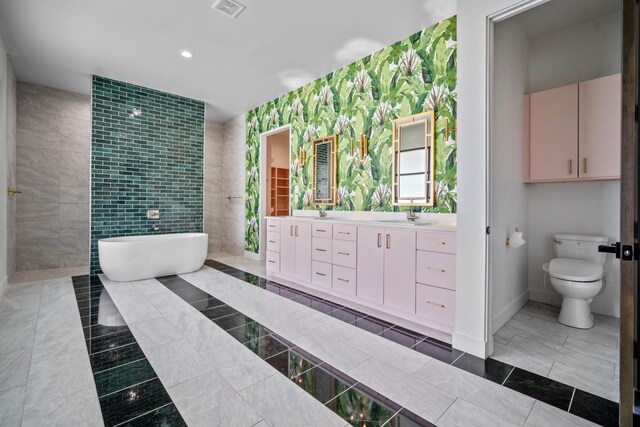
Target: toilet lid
[576,270]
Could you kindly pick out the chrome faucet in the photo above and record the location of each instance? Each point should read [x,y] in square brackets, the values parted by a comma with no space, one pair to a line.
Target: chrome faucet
[411,216]
[322,212]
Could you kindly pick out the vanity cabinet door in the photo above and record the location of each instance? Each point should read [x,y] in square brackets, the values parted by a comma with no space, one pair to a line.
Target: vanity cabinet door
[599,128]
[287,248]
[400,269]
[370,263]
[302,234]
[554,134]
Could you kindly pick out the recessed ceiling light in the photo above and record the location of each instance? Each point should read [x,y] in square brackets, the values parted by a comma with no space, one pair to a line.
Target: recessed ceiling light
[186,54]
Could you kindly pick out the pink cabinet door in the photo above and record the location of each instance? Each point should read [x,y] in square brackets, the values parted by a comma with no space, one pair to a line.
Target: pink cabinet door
[370,263]
[287,248]
[302,233]
[400,269]
[554,134]
[599,127]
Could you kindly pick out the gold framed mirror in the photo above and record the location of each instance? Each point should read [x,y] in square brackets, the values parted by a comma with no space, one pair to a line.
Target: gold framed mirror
[325,171]
[413,160]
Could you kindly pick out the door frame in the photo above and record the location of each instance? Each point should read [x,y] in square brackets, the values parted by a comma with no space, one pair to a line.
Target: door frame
[262,205]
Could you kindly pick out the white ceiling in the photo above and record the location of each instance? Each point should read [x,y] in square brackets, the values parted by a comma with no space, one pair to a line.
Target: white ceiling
[272,47]
[558,14]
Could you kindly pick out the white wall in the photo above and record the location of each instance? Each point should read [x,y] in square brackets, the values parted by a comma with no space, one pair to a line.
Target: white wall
[589,50]
[233,183]
[509,195]
[213,199]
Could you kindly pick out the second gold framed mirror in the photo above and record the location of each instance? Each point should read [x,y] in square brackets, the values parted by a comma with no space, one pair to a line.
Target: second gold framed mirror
[414,160]
[325,162]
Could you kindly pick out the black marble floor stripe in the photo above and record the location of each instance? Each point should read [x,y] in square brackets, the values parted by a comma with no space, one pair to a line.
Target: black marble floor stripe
[128,388]
[349,399]
[601,411]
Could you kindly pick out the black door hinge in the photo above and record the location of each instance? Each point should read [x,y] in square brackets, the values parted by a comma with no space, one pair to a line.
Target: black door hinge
[623,252]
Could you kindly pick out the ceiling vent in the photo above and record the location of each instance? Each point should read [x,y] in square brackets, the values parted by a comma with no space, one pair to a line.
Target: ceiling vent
[229,7]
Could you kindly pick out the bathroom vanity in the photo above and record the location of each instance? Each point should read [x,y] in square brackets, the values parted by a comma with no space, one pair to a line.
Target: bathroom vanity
[403,268]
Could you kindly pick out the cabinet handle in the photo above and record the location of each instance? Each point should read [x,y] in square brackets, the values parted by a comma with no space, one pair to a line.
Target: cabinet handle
[435,303]
[291,230]
[343,253]
[585,165]
[343,280]
[343,232]
[272,241]
[441,270]
[296,231]
[271,225]
[388,241]
[570,166]
[321,250]
[379,240]
[272,262]
[319,230]
[434,242]
[320,274]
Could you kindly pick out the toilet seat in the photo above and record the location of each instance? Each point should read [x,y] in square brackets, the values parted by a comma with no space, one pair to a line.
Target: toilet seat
[575,270]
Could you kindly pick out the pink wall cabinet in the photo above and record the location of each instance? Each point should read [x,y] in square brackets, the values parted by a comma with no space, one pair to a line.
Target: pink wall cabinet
[599,128]
[400,269]
[572,133]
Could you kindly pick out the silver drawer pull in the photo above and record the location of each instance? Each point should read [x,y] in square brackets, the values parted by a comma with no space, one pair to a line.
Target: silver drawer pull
[433,242]
[272,241]
[435,303]
[343,280]
[343,232]
[343,253]
[321,230]
[441,270]
[321,250]
[320,274]
[272,262]
[272,225]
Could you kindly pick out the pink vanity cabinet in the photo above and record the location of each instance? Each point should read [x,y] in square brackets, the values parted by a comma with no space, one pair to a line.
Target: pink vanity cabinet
[295,249]
[572,133]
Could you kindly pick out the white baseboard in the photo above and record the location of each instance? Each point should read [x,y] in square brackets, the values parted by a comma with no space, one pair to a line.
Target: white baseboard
[501,317]
[471,345]
[252,255]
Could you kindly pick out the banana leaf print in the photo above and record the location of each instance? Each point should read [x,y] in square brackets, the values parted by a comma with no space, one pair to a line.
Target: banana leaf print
[411,76]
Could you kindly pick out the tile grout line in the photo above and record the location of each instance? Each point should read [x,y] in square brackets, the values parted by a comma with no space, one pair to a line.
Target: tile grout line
[329,370]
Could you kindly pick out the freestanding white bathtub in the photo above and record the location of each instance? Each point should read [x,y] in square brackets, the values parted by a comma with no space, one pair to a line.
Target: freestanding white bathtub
[129,258]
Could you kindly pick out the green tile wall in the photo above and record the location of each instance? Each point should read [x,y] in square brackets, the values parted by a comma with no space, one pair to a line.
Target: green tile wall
[154,161]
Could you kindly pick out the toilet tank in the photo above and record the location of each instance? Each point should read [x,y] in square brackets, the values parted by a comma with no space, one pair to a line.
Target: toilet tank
[579,246]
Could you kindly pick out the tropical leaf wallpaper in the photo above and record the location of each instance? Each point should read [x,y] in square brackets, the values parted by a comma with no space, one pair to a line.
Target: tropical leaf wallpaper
[414,75]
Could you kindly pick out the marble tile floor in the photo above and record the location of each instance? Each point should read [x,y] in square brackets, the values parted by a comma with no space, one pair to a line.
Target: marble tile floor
[208,374]
[41,275]
[535,341]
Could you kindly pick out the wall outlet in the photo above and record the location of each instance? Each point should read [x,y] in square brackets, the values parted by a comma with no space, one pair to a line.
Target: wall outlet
[153,213]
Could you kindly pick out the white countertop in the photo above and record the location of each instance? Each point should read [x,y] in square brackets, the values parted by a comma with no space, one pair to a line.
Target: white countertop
[420,224]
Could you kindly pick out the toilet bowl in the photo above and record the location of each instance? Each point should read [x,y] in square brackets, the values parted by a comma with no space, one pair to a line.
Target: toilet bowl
[578,282]
[577,274]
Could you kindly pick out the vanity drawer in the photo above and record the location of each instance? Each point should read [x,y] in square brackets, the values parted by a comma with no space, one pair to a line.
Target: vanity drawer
[321,230]
[321,249]
[273,262]
[344,253]
[436,304]
[344,280]
[436,269]
[273,241]
[345,232]
[321,274]
[436,242]
[273,225]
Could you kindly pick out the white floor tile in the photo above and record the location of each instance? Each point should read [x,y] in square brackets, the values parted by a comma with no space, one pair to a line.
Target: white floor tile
[176,362]
[543,415]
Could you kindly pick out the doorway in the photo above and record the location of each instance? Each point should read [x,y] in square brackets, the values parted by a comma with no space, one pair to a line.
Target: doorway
[539,48]
[275,160]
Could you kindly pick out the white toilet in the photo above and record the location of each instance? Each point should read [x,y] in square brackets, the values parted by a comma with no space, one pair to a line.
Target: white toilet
[577,274]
